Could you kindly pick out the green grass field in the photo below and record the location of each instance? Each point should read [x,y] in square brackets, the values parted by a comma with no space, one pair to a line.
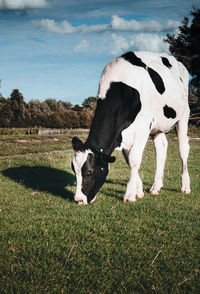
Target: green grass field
[49,244]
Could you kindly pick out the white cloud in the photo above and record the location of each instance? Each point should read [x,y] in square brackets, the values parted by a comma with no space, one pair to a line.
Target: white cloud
[83,46]
[139,42]
[117,24]
[92,28]
[120,24]
[50,25]
[22,4]
[173,24]
[66,28]
[120,44]
[149,42]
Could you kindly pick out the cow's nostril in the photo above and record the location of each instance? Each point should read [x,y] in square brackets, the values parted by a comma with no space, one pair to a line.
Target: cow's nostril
[80,201]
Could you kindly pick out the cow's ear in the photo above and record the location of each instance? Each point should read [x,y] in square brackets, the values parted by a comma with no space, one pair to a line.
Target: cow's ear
[77,144]
[109,159]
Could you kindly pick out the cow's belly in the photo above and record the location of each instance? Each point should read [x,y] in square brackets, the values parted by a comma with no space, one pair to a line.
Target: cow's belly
[153,120]
[163,126]
[145,125]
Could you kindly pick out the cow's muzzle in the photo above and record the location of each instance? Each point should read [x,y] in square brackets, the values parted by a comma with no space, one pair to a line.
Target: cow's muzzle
[80,200]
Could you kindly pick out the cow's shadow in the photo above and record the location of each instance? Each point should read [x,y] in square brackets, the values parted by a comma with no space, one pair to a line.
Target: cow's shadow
[43,179]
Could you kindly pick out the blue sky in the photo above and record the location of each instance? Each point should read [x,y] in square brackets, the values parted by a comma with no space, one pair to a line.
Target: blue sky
[58,49]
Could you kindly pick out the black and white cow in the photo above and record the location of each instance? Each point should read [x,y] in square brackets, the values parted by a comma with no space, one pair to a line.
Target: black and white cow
[140,94]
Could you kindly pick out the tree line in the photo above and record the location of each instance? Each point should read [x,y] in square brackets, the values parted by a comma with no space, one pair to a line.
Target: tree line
[15,112]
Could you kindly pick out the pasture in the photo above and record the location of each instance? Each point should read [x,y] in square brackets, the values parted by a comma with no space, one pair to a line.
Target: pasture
[49,244]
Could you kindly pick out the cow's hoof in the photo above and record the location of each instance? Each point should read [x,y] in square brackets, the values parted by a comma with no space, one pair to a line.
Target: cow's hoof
[185,191]
[126,199]
[156,187]
[154,192]
[140,196]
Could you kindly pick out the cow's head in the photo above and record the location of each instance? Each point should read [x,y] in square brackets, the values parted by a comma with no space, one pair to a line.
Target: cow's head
[91,169]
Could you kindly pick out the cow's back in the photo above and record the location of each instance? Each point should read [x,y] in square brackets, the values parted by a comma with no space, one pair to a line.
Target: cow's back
[161,81]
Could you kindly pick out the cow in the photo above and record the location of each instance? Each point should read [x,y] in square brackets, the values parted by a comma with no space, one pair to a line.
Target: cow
[140,94]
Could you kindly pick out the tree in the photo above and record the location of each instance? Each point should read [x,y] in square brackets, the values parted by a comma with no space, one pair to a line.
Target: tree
[90,103]
[5,111]
[85,117]
[63,106]
[52,103]
[0,89]
[185,47]
[18,109]
[76,108]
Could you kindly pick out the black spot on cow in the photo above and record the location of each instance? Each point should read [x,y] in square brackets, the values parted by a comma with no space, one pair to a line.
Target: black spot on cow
[166,62]
[72,166]
[126,156]
[133,59]
[94,172]
[113,114]
[181,80]
[157,80]
[155,77]
[169,112]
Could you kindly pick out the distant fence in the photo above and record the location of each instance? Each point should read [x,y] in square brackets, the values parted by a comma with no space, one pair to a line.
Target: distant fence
[37,131]
[62,132]
[52,132]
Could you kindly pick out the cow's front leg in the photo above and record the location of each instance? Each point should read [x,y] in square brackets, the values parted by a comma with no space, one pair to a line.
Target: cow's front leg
[134,187]
[139,188]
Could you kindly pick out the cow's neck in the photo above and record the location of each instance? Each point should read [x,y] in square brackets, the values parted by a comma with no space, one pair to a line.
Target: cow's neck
[98,143]
[102,138]
[104,135]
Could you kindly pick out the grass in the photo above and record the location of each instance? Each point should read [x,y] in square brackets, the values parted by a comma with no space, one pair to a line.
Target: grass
[24,144]
[49,244]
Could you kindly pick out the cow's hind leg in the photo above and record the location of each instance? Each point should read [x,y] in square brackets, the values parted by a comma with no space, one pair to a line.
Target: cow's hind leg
[161,144]
[184,148]
[134,187]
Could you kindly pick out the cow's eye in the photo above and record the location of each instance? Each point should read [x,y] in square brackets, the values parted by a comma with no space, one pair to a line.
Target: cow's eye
[102,171]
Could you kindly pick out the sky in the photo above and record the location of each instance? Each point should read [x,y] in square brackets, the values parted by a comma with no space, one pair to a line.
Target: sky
[58,48]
